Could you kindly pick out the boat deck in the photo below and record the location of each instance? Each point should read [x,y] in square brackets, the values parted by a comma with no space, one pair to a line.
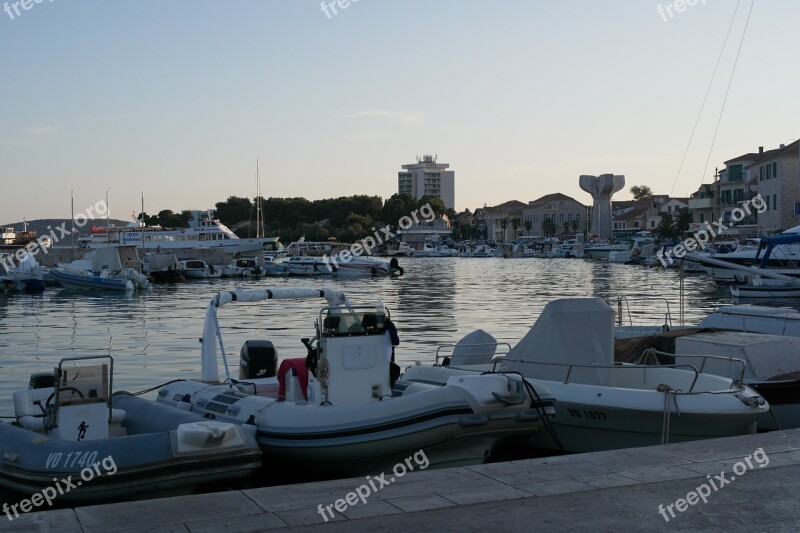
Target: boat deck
[603,491]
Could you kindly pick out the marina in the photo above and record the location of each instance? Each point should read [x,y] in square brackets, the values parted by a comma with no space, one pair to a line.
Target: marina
[153,334]
[470,277]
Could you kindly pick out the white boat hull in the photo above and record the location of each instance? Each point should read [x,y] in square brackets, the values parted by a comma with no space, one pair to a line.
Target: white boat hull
[602,252]
[600,423]
[766,291]
[448,423]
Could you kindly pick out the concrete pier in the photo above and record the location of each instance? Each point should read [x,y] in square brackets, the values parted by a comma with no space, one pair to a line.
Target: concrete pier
[642,488]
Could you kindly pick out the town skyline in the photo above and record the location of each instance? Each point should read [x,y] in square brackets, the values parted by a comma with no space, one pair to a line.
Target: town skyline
[179,104]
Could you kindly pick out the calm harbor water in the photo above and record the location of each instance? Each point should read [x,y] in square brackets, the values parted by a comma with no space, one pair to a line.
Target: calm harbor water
[154,336]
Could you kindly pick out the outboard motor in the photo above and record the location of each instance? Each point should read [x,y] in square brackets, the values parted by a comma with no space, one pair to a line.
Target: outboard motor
[258,359]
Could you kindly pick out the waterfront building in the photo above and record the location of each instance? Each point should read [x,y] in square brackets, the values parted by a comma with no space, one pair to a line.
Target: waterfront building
[504,222]
[428,177]
[630,216]
[438,230]
[703,205]
[776,178]
[774,174]
[566,216]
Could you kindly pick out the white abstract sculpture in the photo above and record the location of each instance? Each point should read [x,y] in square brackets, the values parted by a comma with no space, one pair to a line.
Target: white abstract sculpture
[602,188]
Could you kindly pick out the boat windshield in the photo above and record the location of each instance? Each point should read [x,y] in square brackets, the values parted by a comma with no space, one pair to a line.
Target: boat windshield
[356,321]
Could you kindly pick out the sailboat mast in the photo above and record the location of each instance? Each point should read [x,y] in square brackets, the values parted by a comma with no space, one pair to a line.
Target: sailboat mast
[258,203]
[141,224]
[108,224]
[72,229]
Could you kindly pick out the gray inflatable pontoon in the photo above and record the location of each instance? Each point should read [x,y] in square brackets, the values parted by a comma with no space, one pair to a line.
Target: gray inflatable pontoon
[77,443]
[335,411]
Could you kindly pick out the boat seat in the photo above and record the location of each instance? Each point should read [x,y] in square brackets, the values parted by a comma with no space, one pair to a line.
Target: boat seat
[369,322]
[331,324]
[29,407]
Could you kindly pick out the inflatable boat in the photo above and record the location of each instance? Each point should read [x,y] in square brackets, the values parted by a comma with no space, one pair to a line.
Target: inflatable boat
[73,440]
[334,411]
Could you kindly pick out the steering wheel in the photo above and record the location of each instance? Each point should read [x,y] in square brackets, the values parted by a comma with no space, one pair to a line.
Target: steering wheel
[63,389]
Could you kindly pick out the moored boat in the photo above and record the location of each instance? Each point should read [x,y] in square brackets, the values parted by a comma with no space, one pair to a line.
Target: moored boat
[162,267]
[350,266]
[602,405]
[105,268]
[338,413]
[758,287]
[69,427]
[199,269]
[204,233]
[242,268]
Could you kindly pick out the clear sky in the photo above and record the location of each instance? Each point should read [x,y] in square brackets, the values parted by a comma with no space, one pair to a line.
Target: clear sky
[178,99]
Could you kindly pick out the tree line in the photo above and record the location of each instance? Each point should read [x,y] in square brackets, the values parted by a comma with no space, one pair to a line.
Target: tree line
[344,219]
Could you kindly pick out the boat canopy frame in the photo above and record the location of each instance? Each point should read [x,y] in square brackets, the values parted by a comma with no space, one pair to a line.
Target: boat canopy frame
[212,335]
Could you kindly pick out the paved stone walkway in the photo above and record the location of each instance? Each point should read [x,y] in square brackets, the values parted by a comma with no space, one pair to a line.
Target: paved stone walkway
[604,491]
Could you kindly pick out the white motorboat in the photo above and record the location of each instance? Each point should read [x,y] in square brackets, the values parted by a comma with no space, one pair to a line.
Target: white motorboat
[270,267]
[162,267]
[479,250]
[204,233]
[772,364]
[341,415]
[349,266]
[765,338]
[242,268]
[756,319]
[26,275]
[106,268]
[758,287]
[639,249]
[429,250]
[401,249]
[776,255]
[602,251]
[68,423]
[301,265]
[199,269]
[602,405]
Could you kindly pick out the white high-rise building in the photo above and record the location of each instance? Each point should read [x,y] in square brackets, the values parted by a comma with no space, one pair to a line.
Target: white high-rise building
[426,177]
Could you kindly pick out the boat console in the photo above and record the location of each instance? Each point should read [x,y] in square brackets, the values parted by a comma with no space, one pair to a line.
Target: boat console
[72,403]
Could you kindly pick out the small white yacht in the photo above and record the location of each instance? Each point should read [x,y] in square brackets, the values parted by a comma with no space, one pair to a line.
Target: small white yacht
[204,233]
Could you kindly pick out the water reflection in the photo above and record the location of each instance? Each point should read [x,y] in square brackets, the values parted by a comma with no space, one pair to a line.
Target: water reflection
[153,335]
